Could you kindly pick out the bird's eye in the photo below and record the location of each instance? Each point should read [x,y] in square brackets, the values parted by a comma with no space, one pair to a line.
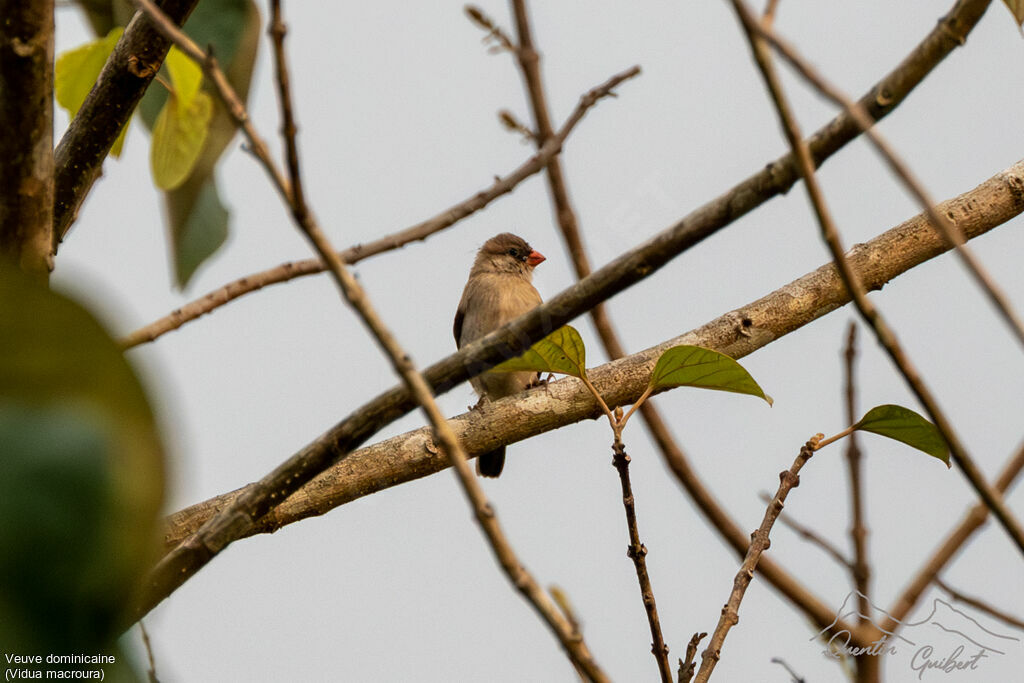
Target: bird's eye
[513,252]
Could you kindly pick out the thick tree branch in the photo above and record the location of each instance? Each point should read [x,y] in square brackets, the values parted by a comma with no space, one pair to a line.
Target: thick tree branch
[26,135]
[414,455]
[865,306]
[131,67]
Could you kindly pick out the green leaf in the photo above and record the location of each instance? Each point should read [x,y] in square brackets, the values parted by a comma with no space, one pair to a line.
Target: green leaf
[76,71]
[82,475]
[178,138]
[694,366]
[232,27]
[903,424]
[562,351]
[186,75]
[201,232]
[1017,9]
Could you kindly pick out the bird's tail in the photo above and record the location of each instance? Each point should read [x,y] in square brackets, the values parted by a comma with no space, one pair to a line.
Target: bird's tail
[491,464]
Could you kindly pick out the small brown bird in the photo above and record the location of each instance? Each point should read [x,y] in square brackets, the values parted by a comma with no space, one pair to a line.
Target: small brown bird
[498,290]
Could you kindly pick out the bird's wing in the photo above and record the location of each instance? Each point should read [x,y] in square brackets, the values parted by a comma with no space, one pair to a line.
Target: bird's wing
[457,327]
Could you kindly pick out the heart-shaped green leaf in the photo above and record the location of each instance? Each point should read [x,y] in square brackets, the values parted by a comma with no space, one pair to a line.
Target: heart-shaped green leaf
[694,366]
[562,351]
[903,424]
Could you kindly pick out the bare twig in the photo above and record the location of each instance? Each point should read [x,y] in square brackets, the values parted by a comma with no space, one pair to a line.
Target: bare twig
[151,671]
[789,669]
[770,8]
[686,667]
[980,605]
[637,552]
[858,531]
[26,144]
[811,536]
[867,309]
[759,542]
[495,33]
[420,231]
[903,172]
[947,550]
[860,570]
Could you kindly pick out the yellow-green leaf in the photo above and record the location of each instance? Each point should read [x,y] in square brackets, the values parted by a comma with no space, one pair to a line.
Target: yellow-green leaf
[186,75]
[178,138]
[562,351]
[694,366]
[76,71]
[906,426]
[1017,9]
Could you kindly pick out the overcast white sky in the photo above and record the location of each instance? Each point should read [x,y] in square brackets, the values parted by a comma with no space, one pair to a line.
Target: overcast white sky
[396,103]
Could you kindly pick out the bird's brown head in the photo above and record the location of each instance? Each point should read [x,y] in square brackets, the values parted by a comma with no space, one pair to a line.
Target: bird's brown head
[507,253]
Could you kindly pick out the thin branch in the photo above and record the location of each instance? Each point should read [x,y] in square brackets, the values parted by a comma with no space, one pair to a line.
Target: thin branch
[865,306]
[902,171]
[811,536]
[637,552]
[413,455]
[947,550]
[980,605]
[151,670]
[79,156]
[792,674]
[687,666]
[759,542]
[860,569]
[26,143]
[420,231]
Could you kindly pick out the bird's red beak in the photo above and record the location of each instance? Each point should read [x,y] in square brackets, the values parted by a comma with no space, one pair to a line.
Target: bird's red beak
[535,259]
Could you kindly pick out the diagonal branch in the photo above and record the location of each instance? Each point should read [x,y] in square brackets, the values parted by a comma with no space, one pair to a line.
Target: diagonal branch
[867,309]
[413,455]
[129,70]
[759,542]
